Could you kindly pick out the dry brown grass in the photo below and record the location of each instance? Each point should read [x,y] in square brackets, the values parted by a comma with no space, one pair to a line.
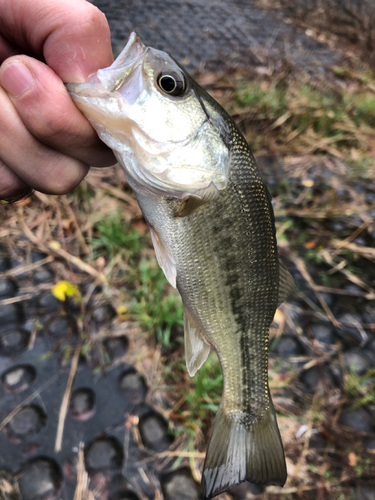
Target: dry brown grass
[63,228]
[346,25]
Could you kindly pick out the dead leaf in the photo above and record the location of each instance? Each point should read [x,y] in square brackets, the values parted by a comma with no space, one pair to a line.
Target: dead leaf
[310,244]
[352,459]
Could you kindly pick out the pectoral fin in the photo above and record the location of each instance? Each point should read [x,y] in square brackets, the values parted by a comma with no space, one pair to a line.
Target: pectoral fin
[286,283]
[190,203]
[194,201]
[196,347]
[165,259]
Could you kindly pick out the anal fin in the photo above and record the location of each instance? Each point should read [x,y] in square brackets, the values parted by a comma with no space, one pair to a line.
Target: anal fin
[196,347]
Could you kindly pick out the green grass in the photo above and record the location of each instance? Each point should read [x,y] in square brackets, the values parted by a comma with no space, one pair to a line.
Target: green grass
[361,388]
[154,305]
[208,387]
[83,193]
[302,117]
[201,395]
[363,466]
[113,235]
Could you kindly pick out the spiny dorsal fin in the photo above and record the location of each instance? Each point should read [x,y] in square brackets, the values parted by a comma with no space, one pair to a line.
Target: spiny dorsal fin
[286,283]
[165,259]
[196,347]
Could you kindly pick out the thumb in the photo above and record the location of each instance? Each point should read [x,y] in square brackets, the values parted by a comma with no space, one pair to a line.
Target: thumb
[71,36]
[81,45]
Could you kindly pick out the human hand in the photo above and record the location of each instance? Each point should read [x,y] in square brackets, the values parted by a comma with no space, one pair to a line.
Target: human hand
[45,142]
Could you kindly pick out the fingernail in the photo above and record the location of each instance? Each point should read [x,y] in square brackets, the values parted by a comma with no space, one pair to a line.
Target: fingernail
[16,78]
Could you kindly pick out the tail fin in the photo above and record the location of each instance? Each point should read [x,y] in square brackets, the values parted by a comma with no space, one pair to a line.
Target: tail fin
[238,452]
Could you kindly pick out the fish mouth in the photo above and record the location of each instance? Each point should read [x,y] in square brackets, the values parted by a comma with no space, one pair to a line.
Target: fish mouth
[106,98]
[111,79]
[132,56]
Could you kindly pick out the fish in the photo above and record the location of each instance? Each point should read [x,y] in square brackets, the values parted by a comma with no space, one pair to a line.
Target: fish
[213,230]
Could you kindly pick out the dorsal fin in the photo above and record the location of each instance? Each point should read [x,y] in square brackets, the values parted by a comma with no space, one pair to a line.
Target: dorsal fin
[286,283]
[196,346]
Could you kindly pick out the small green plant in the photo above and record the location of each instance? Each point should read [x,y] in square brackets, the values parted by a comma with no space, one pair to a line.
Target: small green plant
[113,235]
[302,117]
[328,475]
[208,388]
[362,466]
[201,395]
[361,387]
[155,306]
[313,468]
[341,496]
[82,193]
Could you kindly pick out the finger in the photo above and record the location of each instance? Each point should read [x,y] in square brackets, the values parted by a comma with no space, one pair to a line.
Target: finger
[38,165]
[10,183]
[7,49]
[71,35]
[48,112]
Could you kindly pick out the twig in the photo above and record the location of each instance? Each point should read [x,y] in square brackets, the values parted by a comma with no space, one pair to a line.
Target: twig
[196,473]
[351,293]
[78,262]
[167,454]
[344,243]
[351,277]
[13,300]
[305,443]
[121,195]
[59,252]
[65,400]
[296,489]
[357,324]
[323,358]
[82,491]
[302,269]
[46,199]
[75,222]
[26,401]
[367,252]
[27,267]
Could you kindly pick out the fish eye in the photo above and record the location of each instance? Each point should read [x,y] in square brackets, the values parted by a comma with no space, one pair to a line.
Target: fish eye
[171,83]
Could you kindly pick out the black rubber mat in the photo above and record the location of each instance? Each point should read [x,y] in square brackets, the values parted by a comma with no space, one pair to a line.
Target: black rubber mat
[215,34]
[39,335]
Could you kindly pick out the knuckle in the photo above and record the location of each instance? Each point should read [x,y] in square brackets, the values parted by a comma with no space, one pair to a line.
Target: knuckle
[53,129]
[63,175]
[57,127]
[10,183]
[50,118]
[93,18]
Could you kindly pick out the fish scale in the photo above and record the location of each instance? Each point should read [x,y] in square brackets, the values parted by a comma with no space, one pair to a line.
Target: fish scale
[237,324]
[213,230]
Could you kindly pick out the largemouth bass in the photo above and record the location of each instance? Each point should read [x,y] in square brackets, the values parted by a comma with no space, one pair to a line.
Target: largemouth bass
[212,227]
